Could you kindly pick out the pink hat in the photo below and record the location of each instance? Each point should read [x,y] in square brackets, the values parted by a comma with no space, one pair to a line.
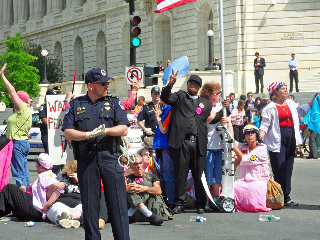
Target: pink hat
[23,96]
[271,87]
[45,161]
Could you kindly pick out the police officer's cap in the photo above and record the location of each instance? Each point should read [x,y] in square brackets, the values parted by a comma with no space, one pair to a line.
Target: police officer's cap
[58,88]
[155,90]
[195,78]
[159,62]
[96,75]
[52,91]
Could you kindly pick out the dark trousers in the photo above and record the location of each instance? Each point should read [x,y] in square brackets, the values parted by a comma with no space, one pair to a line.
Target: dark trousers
[312,145]
[44,140]
[92,167]
[184,158]
[20,203]
[103,213]
[238,133]
[282,162]
[257,78]
[293,74]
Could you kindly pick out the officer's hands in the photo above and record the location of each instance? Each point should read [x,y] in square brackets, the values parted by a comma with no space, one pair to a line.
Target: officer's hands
[173,78]
[148,131]
[101,130]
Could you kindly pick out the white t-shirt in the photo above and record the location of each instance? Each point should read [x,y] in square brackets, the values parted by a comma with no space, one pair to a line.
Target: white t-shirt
[214,140]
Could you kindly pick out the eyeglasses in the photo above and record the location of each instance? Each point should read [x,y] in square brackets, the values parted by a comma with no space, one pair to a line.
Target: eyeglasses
[216,93]
[249,132]
[102,83]
[194,84]
[250,95]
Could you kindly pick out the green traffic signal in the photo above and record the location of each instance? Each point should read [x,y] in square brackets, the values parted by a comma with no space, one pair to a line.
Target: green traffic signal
[136,42]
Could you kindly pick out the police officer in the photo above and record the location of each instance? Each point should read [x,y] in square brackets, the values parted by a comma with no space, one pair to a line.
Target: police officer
[43,117]
[95,122]
[147,113]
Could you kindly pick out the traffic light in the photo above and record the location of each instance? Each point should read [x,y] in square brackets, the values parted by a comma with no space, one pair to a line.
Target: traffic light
[135,31]
[148,79]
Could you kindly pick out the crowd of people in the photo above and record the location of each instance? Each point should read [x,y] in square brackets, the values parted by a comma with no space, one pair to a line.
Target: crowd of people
[180,141]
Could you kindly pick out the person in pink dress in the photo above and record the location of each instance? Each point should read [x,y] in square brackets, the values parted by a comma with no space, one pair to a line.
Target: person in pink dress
[251,188]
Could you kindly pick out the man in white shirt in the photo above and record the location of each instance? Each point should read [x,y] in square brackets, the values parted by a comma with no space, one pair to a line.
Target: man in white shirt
[293,67]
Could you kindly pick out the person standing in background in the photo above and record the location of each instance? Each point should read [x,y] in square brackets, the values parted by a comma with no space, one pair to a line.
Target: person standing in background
[233,103]
[293,67]
[259,64]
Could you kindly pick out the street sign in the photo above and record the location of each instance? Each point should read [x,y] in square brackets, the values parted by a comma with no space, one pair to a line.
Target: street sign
[133,74]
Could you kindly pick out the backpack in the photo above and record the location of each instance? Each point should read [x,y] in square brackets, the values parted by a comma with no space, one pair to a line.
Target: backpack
[275,197]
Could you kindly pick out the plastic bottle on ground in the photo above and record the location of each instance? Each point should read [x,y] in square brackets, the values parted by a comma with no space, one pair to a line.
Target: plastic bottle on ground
[29,224]
[197,219]
[268,218]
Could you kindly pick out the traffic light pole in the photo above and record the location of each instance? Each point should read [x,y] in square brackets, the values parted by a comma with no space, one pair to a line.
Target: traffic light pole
[132,50]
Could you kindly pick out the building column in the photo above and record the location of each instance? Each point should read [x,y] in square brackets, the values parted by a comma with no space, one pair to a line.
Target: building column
[57,6]
[74,3]
[20,9]
[7,13]
[39,7]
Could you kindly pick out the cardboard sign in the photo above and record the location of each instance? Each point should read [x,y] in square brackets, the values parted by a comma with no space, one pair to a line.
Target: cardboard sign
[56,108]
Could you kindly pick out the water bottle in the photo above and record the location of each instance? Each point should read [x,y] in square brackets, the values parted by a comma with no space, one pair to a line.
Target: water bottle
[268,218]
[197,219]
[29,224]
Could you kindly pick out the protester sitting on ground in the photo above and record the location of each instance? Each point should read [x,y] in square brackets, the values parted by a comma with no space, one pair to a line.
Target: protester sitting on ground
[19,124]
[43,195]
[21,203]
[141,189]
[251,188]
[280,132]
[238,119]
[67,209]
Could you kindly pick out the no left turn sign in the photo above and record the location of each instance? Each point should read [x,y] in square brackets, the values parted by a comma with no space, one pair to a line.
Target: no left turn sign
[133,74]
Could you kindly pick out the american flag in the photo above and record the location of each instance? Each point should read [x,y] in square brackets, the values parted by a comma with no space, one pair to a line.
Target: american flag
[164,5]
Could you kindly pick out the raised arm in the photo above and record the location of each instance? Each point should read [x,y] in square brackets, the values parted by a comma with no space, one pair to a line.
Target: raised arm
[12,92]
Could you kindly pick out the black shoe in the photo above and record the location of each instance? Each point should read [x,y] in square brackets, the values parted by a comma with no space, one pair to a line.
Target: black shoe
[200,210]
[257,92]
[178,209]
[155,220]
[297,90]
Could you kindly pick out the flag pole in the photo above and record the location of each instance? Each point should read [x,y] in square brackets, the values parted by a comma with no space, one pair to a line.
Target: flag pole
[74,79]
[223,74]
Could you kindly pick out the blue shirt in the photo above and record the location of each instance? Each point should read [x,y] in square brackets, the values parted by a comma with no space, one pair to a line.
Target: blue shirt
[295,64]
[84,115]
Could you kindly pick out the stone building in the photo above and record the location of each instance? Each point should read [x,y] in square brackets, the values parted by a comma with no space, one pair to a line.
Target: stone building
[95,33]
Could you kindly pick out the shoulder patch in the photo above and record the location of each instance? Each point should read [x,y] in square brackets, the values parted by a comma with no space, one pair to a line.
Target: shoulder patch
[68,109]
[41,108]
[120,104]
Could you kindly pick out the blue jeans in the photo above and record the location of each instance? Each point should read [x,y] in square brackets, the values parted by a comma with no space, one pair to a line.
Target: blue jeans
[167,175]
[19,162]
[213,170]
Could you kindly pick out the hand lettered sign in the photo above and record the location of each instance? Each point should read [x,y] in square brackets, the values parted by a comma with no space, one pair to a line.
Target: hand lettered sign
[56,108]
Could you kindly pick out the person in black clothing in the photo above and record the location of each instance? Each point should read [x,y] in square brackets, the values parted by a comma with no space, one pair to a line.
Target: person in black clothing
[187,135]
[147,113]
[259,64]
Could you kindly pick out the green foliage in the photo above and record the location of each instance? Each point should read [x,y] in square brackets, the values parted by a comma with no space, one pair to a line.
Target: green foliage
[21,74]
[53,66]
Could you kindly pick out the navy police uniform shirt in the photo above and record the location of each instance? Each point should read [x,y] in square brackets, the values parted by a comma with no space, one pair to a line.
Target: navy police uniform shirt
[84,115]
[147,114]
[43,114]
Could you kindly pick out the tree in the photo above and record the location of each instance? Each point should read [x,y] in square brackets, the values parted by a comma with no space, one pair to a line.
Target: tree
[19,71]
[53,66]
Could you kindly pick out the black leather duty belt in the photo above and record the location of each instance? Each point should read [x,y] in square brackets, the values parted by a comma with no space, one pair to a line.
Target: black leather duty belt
[191,138]
[97,146]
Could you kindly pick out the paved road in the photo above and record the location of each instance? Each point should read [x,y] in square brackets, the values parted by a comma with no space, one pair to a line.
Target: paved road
[302,222]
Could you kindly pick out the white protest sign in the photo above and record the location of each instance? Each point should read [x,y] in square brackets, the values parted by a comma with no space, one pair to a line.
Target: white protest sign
[56,107]
[135,133]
